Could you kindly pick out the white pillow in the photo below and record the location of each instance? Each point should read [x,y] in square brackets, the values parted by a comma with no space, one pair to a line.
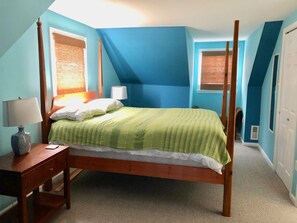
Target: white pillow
[107,104]
[88,110]
[67,112]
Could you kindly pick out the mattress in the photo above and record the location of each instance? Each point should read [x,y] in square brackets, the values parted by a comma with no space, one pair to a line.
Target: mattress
[149,155]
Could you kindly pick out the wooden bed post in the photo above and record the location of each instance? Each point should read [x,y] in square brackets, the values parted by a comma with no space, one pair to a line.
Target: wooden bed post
[100,70]
[43,89]
[231,127]
[225,88]
[48,186]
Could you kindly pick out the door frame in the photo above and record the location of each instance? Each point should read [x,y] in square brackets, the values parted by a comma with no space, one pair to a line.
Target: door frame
[289,28]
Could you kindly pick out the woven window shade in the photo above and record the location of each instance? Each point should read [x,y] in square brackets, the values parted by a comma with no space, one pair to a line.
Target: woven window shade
[213,70]
[70,66]
[66,40]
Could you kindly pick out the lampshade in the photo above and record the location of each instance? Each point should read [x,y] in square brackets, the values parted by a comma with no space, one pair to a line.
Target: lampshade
[119,92]
[21,112]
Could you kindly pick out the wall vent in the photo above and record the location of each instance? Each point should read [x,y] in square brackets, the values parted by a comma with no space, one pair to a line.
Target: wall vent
[254,132]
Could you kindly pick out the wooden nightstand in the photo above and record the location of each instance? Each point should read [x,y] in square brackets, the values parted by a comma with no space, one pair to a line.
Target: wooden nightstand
[19,175]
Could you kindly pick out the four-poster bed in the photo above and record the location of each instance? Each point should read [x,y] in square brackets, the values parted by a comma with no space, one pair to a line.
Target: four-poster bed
[171,171]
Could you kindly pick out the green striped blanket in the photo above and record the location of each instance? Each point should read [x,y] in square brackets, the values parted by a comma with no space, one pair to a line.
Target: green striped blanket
[172,130]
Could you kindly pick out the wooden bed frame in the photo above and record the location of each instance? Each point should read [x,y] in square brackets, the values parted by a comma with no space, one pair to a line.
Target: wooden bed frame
[154,169]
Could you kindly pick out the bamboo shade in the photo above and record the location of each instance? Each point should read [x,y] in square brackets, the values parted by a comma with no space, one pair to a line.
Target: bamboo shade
[213,70]
[67,40]
[70,65]
[70,68]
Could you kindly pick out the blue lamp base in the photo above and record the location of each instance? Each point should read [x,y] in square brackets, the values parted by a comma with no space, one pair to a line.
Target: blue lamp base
[21,142]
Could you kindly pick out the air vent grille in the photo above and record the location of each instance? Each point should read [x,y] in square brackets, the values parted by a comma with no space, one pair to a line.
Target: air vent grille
[254,132]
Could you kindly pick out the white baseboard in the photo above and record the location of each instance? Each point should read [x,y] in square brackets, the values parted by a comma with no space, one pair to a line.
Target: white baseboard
[12,205]
[248,143]
[8,207]
[254,144]
[266,157]
[293,199]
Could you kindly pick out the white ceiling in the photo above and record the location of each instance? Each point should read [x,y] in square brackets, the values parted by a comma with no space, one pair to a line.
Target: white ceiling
[208,19]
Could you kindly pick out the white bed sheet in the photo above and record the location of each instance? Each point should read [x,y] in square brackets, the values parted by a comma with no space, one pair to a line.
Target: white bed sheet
[148,155]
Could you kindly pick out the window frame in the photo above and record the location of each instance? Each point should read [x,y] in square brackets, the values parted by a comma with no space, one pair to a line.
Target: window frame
[271,116]
[53,56]
[200,69]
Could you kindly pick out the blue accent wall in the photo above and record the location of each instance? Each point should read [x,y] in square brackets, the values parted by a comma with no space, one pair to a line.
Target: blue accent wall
[19,72]
[269,35]
[213,99]
[267,137]
[156,96]
[151,61]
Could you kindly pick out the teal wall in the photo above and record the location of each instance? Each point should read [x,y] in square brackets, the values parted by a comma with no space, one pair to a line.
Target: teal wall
[19,72]
[213,99]
[15,18]
[251,47]
[267,138]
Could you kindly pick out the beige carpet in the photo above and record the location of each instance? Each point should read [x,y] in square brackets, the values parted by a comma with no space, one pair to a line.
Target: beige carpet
[258,196]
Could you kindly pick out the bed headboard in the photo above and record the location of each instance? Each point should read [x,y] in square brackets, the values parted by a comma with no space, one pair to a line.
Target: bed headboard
[61,101]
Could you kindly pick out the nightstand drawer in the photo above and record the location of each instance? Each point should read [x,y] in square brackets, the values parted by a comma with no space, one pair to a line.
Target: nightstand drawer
[44,172]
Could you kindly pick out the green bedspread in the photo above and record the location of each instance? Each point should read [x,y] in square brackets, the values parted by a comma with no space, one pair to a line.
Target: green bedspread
[173,130]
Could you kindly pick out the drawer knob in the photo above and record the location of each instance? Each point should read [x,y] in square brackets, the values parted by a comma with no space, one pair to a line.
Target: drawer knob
[51,169]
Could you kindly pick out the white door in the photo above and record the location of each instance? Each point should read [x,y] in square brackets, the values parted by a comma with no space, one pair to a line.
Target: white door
[287,110]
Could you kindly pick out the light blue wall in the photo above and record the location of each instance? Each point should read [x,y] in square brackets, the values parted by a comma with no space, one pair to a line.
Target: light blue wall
[15,18]
[267,138]
[19,77]
[19,72]
[110,77]
[54,20]
[213,99]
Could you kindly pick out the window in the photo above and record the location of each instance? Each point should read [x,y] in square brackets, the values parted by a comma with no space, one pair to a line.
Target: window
[69,71]
[212,69]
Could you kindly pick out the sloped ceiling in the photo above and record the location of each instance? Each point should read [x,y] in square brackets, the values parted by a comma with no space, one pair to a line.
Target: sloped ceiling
[152,56]
[16,17]
[208,19]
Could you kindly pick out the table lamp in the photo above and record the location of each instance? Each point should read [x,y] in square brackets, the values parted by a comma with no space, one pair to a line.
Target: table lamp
[119,92]
[20,112]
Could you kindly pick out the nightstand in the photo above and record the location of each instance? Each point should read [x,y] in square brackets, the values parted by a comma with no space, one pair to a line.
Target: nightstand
[19,175]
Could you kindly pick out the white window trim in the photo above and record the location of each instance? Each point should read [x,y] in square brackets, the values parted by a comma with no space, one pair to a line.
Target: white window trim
[53,56]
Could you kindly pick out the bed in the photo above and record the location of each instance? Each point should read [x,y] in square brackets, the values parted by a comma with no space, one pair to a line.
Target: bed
[84,158]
